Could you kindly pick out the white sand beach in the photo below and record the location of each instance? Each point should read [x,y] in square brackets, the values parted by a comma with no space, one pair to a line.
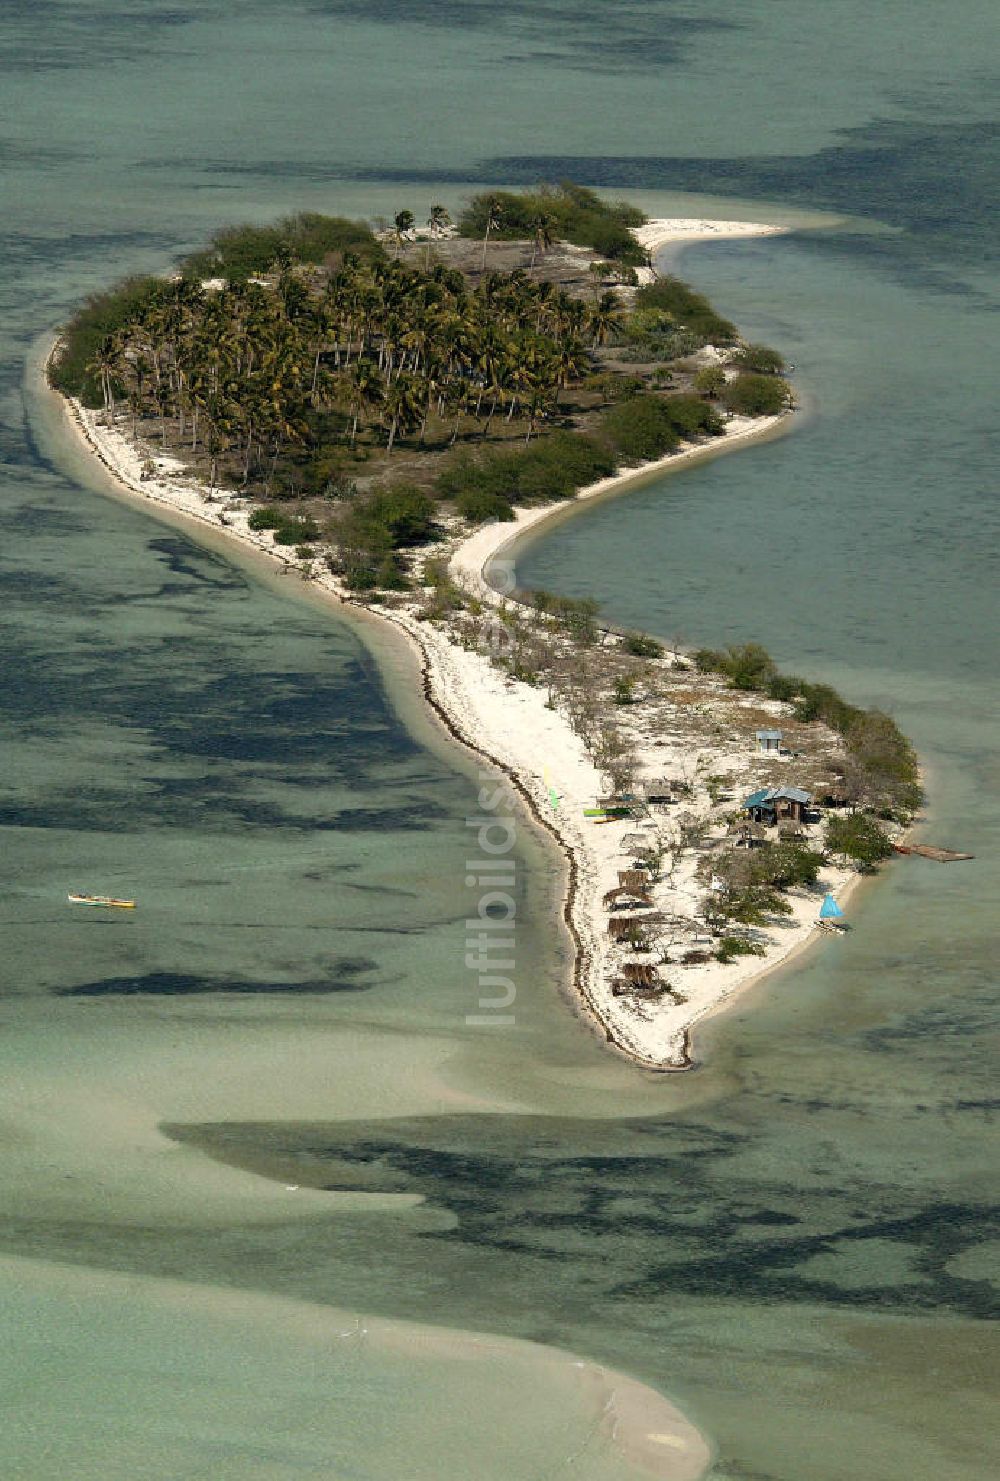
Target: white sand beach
[512,725]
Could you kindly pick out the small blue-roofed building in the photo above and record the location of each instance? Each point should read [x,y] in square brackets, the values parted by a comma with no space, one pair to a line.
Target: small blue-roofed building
[768,804]
[769,742]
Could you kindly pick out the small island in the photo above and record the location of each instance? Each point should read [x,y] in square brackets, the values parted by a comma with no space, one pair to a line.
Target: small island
[384,411]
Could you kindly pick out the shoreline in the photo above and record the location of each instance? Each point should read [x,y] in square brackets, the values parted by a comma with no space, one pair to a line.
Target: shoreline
[474,705]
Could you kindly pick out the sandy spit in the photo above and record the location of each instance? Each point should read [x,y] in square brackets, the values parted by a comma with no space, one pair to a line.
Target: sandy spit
[508,725]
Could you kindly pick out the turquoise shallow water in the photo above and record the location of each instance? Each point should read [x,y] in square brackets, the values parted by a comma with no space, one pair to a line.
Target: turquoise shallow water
[797,1241]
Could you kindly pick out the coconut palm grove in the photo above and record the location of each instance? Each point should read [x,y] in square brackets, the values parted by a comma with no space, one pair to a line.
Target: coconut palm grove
[350,381]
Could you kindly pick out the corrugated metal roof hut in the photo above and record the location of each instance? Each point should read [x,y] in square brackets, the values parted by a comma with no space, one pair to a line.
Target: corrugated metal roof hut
[769,742]
[768,804]
[639,845]
[658,789]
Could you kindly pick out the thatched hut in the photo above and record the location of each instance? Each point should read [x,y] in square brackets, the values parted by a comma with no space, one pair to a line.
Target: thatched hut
[627,928]
[641,976]
[623,899]
[634,879]
[792,831]
[747,833]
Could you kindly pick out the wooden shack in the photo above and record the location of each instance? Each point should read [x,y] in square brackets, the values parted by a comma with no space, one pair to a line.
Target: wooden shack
[624,899]
[634,879]
[626,928]
[769,805]
[643,974]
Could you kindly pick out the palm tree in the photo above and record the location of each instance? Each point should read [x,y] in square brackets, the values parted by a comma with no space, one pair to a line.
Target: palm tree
[364,393]
[493,218]
[104,365]
[438,220]
[571,362]
[537,404]
[543,238]
[604,318]
[403,225]
[218,437]
[402,406]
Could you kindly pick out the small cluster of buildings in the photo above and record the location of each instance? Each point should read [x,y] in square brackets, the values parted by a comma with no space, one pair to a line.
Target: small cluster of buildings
[633,919]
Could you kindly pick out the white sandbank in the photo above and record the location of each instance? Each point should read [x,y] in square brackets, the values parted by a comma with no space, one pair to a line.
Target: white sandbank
[509,724]
[636,1427]
[687,229]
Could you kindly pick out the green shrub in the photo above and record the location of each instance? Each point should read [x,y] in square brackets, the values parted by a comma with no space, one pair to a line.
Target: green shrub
[615,386]
[402,513]
[447,597]
[641,646]
[240,252]
[656,335]
[640,428]
[371,530]
[576,215]
[710,381]
[687,309]
[479,505]
[822,702]
[584,457]
[759,358]
[782,686]
[575,616]
[465,473]
[266,519]
[709,660]
[691,417]
[878,744]
[552,468]
[757,395]
[787,864]
[289,529]
[752,904]
[859,838]
[730,947]
[296,532]
[748,666]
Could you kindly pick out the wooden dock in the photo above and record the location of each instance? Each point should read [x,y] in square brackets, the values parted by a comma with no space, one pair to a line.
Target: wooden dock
[929,851]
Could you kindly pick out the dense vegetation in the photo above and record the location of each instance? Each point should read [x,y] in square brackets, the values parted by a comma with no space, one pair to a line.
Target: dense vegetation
[683,306]
[75,369]
[568,212]
[250,373]
[282,359]
[488,483]
[881,767]
[370,532]
[236,253]
[646,426]
[756,395]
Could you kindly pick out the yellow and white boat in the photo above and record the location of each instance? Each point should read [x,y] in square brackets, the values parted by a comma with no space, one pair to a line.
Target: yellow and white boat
[107,900]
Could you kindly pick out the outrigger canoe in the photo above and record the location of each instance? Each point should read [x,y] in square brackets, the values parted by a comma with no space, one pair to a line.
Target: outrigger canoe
[107,900]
